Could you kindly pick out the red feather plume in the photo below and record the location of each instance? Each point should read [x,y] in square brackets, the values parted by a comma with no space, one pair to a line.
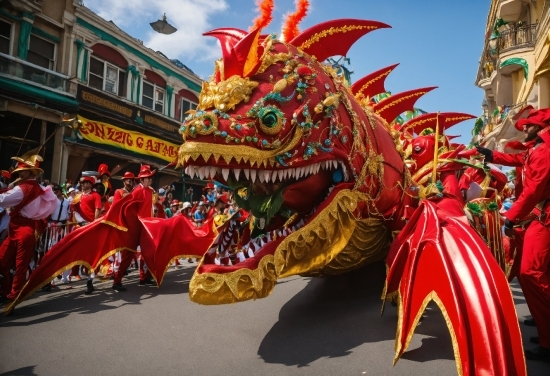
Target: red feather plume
[266,14]
[290,27]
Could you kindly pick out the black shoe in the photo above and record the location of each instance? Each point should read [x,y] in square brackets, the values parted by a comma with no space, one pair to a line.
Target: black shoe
[147,282]
[47,288]
[538,353]
[534,340]
[89,287]
[529,322]
[118,287]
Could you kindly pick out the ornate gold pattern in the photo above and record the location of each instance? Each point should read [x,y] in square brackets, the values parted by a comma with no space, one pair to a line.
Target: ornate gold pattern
[333,30]
[193,150]
[320,241]
[269,59]
[226,94]
[240,285]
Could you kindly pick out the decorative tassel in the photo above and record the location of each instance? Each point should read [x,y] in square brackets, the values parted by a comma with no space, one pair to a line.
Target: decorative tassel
[290,27]
[266,14]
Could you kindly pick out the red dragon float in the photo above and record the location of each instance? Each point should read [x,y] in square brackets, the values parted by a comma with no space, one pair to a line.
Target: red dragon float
[328,178]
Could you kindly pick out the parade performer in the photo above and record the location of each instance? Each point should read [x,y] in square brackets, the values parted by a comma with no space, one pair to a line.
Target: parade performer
[30,205]
[145,191]
[104,179]
[534,200]
[320,166]
[128,179]
[87,208]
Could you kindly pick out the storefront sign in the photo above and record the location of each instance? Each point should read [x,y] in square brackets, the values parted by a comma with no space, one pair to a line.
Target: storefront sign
[107,134]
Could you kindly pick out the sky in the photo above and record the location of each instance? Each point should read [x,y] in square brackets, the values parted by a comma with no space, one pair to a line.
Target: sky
[436,42]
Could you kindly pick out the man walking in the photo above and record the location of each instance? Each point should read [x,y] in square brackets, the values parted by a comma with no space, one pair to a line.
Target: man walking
[534,275]
[30,205]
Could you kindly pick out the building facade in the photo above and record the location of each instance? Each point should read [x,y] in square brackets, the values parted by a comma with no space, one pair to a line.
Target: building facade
[87,92]
[514,69]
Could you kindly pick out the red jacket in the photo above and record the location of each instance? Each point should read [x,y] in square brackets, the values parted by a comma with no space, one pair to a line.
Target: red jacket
[535,164]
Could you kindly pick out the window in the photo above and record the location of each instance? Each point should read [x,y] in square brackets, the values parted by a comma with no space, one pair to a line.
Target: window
[41,52]
[153,96]
[106,77]
[5,37]
[185,106]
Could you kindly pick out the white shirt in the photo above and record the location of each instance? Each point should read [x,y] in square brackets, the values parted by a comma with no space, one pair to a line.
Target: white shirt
[39,208]
[61,212]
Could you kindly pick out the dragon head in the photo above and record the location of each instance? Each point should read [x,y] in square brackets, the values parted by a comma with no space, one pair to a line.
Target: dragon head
[313,160]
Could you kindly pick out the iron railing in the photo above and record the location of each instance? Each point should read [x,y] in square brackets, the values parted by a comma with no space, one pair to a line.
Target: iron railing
[518,36]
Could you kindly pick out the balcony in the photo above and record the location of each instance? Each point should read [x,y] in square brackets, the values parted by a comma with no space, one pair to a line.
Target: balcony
[517,37]
[21,70]
[487,67]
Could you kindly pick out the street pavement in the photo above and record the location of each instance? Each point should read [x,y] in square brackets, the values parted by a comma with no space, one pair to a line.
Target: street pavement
[308,326]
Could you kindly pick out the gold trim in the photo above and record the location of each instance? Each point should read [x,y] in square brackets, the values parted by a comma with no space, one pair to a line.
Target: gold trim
[109,223]
[333,30]
[399,100]
[360,96]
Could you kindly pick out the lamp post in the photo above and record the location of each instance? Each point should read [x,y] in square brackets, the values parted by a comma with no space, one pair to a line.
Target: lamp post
[163,27]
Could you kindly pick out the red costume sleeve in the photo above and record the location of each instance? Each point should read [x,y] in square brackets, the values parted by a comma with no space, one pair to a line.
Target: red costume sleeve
[508,159]
[536,184]
[97,201]
[117,196]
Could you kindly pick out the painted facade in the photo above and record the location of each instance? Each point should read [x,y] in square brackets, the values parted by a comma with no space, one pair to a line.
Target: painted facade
[86,68]
[514,68]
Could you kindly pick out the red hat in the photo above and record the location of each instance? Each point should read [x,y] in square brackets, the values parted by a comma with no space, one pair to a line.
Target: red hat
[536,117]
[223,198]
[145,172]
[128,175]
[5,174]
[174,202]
[89,179]
[103,169]
[210,185]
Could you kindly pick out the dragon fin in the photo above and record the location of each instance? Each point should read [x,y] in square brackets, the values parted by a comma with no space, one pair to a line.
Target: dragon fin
[390,108]
[371,84]
[439,257]
[424,121]
[334,37]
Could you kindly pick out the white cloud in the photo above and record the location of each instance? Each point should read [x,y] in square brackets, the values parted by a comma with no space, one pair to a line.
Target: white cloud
[190,17]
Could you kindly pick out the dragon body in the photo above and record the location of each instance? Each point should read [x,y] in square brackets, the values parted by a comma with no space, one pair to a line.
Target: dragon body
[328,176]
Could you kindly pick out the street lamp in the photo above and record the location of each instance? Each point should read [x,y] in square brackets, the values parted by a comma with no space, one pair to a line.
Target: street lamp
[163,27]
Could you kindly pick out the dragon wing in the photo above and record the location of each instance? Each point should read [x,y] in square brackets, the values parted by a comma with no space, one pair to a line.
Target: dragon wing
[439,257]
[163,240]
[89,245]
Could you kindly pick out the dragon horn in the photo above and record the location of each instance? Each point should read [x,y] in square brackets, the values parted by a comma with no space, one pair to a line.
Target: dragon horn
[371,84]
[390,108]
[290,27]
[335,37]
[424,121]
[240,50]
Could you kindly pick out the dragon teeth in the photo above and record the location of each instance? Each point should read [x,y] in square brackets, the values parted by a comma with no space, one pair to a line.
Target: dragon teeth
[280,173]
[247,173]
[237,172]
[261,176]
[253,175]
[225,173]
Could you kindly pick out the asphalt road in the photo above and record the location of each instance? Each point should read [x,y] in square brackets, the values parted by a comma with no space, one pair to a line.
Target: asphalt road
[306,327]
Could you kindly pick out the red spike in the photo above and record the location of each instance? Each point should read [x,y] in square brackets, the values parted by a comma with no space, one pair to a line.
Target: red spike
[390,108]
[372,84]
[446,121]
[334,37]
[236,46]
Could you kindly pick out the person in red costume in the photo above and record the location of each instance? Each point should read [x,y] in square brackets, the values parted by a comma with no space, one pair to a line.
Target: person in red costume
[30,204]
[128,180]
[144,188]
[534,200]
[87,208]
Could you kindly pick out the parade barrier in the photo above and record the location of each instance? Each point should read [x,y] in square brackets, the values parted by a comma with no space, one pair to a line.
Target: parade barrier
[52,235]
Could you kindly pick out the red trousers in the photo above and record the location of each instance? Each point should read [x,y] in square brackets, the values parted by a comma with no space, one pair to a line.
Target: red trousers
[17,250]
[126,259]
[534,277]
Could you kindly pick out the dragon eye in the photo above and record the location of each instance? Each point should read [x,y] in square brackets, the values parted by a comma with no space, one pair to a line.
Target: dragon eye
[271,120]
[417,148]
